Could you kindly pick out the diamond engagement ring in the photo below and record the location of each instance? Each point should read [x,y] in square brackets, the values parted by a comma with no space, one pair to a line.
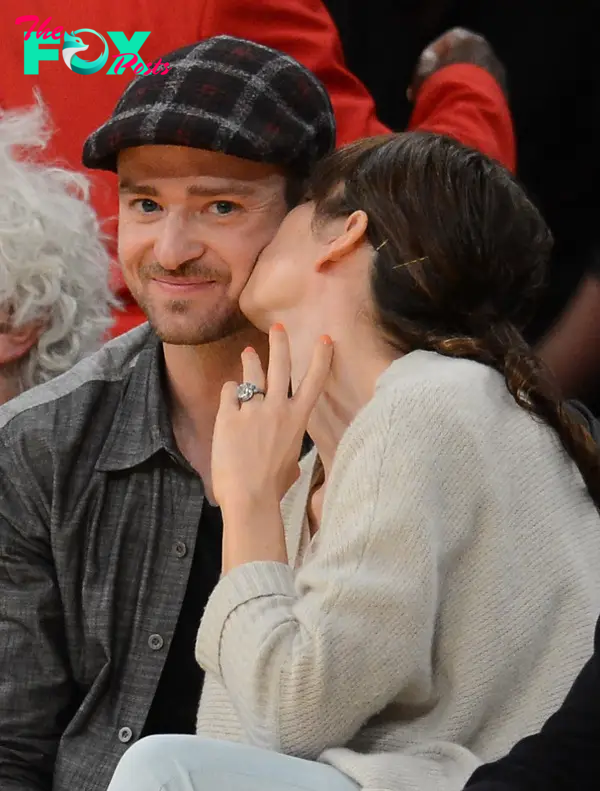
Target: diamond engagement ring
[246,391]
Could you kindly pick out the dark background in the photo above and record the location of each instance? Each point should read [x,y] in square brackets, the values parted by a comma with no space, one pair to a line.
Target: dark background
[550,51]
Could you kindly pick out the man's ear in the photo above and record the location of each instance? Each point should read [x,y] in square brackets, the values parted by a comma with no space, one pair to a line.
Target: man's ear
[346,239]
[15,344]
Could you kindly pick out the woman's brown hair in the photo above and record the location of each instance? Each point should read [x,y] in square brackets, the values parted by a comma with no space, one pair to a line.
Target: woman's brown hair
[461,254]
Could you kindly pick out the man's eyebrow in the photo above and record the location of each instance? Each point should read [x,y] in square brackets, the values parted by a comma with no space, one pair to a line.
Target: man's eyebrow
[130,187]
[226,187]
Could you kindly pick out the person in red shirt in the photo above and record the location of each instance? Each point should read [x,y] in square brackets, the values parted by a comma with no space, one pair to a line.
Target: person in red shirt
[459,97]
[55,299]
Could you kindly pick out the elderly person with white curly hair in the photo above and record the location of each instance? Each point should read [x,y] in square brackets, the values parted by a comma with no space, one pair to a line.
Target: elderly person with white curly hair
[55,297]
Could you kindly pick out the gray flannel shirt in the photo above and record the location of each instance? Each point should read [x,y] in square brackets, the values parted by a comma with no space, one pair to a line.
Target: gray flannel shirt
[98,521]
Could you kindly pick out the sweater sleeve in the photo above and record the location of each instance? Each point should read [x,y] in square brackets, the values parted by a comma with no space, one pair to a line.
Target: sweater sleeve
[308,659]
[565,754]
[465,102]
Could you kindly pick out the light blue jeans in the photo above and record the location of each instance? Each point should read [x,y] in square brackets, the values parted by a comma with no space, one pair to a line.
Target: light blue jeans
[190,763]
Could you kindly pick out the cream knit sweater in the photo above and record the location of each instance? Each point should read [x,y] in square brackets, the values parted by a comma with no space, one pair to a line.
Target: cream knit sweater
[443,608]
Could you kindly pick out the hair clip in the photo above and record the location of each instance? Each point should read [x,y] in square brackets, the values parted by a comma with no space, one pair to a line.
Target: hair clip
[408,263]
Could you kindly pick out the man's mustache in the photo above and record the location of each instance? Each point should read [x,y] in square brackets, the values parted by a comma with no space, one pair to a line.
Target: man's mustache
[189,269]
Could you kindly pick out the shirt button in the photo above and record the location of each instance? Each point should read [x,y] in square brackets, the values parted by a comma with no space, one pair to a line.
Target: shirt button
[125,735]
[155,642]
[179,549]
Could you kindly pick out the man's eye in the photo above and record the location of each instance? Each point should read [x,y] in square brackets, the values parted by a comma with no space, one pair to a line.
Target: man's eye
[223,207]
[145,205]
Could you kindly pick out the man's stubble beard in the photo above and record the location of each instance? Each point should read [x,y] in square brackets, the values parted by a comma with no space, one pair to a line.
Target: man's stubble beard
[222,321]
[210,329]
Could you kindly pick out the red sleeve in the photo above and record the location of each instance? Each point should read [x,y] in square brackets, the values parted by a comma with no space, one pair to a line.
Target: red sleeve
[304,30]
[465,102]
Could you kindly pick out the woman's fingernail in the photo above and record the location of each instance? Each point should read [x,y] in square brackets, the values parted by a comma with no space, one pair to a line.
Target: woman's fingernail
[249,349]
[278,327]
[326,340]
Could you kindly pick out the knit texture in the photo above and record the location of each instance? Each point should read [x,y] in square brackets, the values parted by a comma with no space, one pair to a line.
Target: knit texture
[444,607]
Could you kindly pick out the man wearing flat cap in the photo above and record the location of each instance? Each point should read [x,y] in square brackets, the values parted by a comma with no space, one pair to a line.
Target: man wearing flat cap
[110,545]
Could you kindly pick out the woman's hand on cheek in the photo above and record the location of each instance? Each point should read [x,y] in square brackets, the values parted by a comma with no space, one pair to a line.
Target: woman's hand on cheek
[257,443]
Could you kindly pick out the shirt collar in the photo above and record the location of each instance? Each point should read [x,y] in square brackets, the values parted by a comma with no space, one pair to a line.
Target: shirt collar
[141,426]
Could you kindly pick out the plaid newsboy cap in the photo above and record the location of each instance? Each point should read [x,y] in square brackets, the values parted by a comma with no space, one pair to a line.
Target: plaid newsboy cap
[223,94]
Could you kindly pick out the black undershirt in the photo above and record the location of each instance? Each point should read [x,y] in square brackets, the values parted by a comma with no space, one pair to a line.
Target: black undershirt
[175,705]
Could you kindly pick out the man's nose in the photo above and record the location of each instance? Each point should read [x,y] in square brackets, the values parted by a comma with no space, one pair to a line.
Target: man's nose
[177,243]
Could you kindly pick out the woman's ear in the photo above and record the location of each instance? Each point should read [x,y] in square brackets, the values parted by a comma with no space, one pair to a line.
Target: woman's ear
[348,235]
